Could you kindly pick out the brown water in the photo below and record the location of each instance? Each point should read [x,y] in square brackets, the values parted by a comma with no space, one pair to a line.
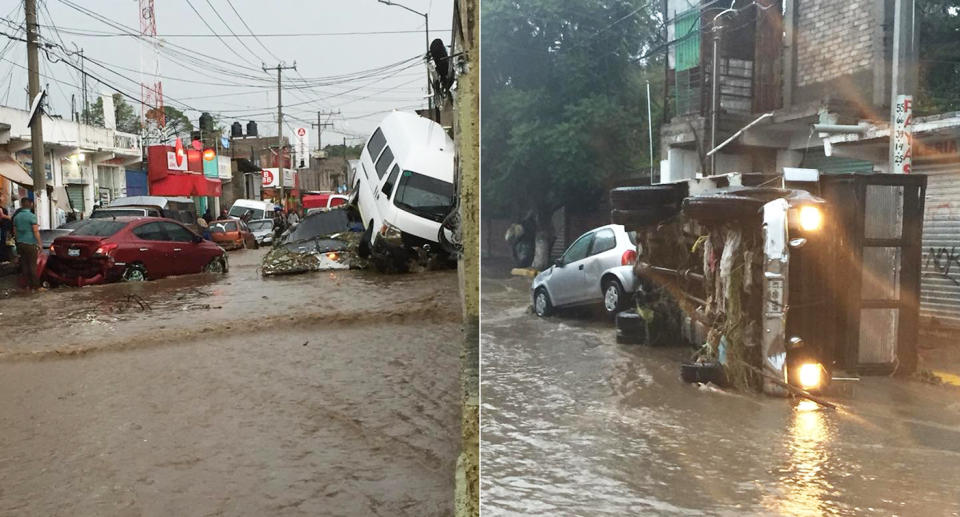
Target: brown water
[320,394]
[574,424]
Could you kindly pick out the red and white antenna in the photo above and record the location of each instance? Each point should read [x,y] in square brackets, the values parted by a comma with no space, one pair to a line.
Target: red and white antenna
[151,90]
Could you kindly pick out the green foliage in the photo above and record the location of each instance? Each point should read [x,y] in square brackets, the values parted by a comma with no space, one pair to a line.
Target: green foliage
[938,27]
[353,151]
[564,100]
[177,124]
[126,116]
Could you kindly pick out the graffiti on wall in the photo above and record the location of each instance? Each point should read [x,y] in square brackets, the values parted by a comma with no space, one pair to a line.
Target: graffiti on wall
[943,262]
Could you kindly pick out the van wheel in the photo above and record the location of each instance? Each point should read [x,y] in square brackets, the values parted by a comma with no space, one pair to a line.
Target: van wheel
[135,273]
[364,248]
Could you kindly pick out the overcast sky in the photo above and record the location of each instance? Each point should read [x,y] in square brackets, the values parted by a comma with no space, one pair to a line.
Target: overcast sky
[329,67]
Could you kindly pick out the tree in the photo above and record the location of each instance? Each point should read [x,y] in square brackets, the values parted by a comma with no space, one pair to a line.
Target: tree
[563,112]
[938,27]
[353,151]
[178,125]
[124,114]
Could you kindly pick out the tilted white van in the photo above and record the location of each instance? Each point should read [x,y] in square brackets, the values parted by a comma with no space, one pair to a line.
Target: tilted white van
[404,186]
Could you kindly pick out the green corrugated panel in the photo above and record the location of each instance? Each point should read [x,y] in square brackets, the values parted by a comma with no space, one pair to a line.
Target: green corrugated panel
[686,28]
[834,164]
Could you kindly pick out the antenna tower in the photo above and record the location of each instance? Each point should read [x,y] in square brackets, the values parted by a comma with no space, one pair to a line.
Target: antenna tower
[151,90]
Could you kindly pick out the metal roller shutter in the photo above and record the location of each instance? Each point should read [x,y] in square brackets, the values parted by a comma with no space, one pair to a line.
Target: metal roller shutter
[75,193]
[940,273]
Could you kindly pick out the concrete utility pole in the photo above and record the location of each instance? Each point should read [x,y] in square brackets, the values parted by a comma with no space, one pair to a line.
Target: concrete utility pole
[36,127]
[321,124]
[902,83]
[280,68]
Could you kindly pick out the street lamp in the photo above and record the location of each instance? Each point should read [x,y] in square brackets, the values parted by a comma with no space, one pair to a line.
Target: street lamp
[426,37]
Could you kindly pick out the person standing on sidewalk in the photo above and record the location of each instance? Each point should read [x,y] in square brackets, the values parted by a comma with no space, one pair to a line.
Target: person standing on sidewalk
[28,242]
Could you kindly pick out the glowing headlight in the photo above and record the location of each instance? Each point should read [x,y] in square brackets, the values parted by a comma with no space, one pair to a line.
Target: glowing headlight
[333,255]
[810,376]
[811,218]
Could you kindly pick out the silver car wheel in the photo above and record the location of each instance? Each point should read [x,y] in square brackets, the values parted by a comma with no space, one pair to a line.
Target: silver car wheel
[540,304]
[611,298]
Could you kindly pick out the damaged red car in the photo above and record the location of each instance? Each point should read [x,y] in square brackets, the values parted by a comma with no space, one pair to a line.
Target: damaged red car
[130,249]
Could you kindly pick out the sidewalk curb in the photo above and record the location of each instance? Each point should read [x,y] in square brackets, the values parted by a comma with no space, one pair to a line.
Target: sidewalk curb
[948,378]
[524,271]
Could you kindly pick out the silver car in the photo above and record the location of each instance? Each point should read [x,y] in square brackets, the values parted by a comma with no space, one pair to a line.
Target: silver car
[262,230]
[596,268]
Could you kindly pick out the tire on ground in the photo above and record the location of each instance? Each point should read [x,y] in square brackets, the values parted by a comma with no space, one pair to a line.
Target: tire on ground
[630,198]
[645,216]
[718,208]
[630,323]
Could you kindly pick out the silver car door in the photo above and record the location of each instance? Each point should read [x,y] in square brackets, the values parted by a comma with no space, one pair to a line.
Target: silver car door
[601,258]
[567,279]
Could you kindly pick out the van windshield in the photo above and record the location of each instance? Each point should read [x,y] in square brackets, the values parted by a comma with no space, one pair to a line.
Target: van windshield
[238,211]
[424,196]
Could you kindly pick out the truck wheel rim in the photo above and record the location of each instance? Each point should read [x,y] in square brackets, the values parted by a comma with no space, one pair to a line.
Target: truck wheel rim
[611,298]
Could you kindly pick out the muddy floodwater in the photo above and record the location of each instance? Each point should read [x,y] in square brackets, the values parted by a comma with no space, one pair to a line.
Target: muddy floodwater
[318,394]
[574,424]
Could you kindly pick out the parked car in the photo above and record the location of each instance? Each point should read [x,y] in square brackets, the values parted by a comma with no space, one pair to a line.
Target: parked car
[594,269]
[232,234]
[130,249]
[262,230]
[110,212]
[180,209]
[323,201]
[404,187]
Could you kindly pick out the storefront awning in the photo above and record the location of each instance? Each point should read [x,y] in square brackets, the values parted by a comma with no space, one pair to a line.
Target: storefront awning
[13,171]
[185,185]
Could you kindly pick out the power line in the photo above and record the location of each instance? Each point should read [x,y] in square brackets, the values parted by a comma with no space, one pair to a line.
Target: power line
[249,30]
[202,19]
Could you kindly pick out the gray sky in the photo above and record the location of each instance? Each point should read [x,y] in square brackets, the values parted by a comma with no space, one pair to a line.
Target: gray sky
[329,67]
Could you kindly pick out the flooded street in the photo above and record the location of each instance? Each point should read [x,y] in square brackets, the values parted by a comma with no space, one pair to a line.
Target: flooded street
[574,424]
[318,394]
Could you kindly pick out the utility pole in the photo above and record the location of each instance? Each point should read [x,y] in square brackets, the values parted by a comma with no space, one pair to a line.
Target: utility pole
[280,68]
[83,85]
[426,37]
[321,124]
[36,127]
[902,84]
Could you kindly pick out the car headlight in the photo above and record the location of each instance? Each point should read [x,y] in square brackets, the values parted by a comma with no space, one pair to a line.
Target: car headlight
[810,375]
[811,218]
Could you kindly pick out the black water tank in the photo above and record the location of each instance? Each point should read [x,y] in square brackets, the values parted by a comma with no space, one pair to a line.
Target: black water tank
[236,130]
[252,128]
[206,122]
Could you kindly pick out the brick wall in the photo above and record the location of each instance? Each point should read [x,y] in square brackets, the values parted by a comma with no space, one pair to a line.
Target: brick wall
[834,38]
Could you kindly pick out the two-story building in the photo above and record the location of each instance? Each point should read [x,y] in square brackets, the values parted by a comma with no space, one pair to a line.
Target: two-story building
[782,66]
[85,165]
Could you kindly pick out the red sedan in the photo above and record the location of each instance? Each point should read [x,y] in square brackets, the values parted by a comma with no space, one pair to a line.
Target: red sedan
[232,234]
[130,249]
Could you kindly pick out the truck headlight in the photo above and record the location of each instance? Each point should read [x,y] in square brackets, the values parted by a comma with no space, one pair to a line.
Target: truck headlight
[810,375]
[811,218]
[389,231]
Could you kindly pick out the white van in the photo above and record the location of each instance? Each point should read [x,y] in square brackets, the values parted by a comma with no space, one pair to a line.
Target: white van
[257,209]
[404,185]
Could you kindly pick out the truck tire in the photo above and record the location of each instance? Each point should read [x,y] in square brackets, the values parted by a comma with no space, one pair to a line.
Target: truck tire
[631,198]
[363,249]
[644,216]
[703,373]
[719,208]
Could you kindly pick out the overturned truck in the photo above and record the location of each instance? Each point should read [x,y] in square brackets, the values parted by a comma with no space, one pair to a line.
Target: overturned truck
[778,287]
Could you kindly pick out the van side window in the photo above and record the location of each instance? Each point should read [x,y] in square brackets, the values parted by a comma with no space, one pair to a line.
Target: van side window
[375,145]
[384,162]
[391,181]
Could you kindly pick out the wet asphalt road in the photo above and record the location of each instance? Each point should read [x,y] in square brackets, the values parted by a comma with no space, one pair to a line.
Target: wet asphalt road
[574,424]
[318,394]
